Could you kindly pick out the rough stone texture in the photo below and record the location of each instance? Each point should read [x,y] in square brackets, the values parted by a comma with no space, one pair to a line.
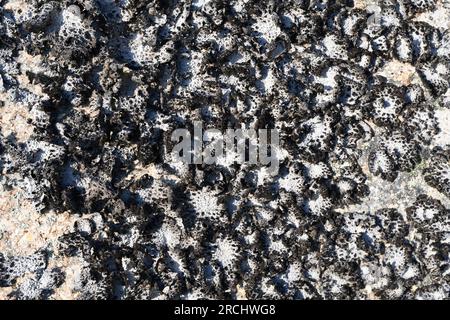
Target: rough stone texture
[92,206]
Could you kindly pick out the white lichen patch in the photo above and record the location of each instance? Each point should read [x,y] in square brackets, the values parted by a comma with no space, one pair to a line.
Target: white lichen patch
[205,203]
[437,18]
[443,137]
[226,252]
[266,28]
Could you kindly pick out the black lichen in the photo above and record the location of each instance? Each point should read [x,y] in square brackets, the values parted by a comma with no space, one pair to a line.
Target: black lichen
[117,78]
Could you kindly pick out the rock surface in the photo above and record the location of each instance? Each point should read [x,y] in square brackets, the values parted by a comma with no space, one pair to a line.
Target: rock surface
[93,207]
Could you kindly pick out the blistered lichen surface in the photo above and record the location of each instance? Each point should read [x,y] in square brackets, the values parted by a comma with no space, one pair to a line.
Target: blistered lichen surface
[93,207]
